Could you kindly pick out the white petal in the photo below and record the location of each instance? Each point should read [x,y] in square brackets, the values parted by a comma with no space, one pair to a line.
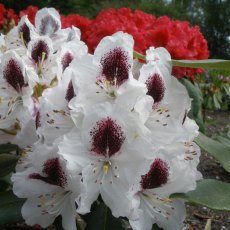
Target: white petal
[47,21]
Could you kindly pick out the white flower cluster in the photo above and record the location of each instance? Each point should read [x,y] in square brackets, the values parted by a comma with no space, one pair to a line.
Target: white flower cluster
[93,125]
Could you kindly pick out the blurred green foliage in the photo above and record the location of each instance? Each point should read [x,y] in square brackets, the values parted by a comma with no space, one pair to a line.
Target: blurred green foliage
[215,88]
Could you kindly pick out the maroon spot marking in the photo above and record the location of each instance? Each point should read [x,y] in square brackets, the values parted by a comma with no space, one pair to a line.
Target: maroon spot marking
[107,137]
[13,74]
[185,116]
[115,66]
[54,173]
[24,29]
[70,92]
[156,88]
[48,26]
[66,60]
[37,50]
[37,120]
[157,175]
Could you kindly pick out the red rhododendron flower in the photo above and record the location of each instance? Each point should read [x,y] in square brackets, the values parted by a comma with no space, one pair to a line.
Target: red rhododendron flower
[2,12]
[7,18]
[75,20]
[30,11]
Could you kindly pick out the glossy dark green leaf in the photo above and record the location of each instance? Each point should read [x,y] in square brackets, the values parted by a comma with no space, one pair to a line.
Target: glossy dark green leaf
[216,149]
[213,194]
[7,163]
[10,208]
[206,64]
[7,148]
[101,218]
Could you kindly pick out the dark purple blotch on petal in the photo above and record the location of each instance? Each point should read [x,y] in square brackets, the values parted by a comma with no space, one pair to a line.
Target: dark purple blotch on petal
[66,60]
[70,92]
[157,175]
[37,120]
[107,137]
[185,116]
[115,66]
[48,26]
[54,173]
[156,87]
[24,29]
[13,75]
[39,48]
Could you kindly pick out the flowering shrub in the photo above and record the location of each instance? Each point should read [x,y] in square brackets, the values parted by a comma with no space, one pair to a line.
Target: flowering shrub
[88,128]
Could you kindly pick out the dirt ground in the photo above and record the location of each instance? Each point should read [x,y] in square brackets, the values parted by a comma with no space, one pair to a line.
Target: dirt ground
[216,123]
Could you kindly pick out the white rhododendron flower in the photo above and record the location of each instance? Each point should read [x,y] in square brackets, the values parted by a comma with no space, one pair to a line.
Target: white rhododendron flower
[94,127]
[109,73]
[49,187]
[173,170]
[109,149]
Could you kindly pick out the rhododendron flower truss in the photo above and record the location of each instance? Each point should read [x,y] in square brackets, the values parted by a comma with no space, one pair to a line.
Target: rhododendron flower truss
[48,186]
[93,125]
[109,149]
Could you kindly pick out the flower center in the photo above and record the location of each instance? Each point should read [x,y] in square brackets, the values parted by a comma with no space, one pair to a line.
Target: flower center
[107,137]
[13,75]
[115,67]
[40,52]
[157,175]
[156,88]
[66,60]
[54,173]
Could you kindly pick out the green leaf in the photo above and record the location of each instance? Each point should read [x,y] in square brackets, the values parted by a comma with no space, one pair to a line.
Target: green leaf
[102,219]
[10,208]
[224,141]
[7,163]
[139,55]
[216,103]
[207,64]
[196,95]
[211,193]
[219,151]
[6,148]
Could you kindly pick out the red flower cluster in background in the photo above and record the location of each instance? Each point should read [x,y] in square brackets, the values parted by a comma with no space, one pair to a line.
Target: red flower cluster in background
[76,20]
[181,40]
[30,11]
[7,18]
